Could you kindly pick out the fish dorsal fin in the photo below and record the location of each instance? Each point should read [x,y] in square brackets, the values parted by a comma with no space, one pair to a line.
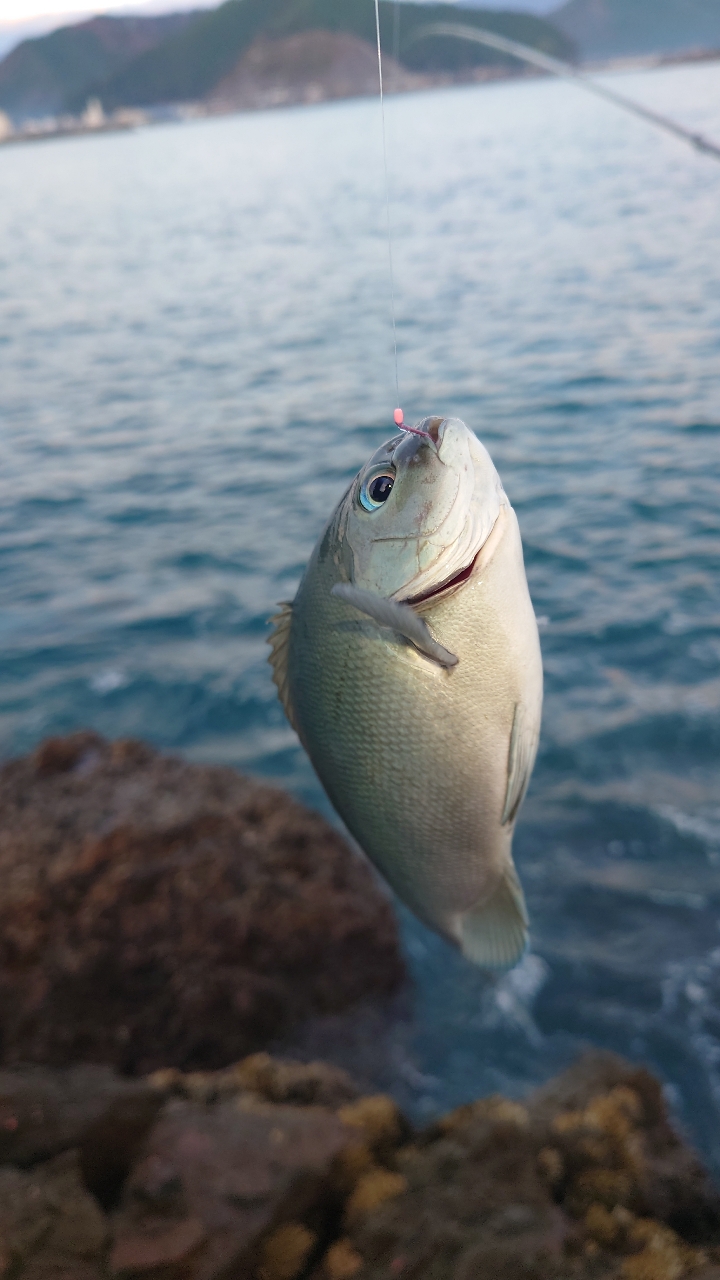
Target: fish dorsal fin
[279,641]
[400,618]
[495,934]
[521,758]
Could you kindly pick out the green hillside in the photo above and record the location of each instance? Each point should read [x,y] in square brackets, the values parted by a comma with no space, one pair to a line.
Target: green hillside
[189,65]
[38,76]
[616,28]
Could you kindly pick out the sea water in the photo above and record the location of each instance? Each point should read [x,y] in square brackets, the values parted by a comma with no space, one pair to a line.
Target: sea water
[195,356]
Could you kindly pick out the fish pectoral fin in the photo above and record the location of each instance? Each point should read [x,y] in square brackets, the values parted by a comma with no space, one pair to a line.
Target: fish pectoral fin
[495,934]
[399,618]
[521,758]
[279,641]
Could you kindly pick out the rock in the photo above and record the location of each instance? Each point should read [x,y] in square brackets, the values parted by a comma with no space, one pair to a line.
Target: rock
[341,1262]
[379,1122]
[624,1109]
[475,1206]
[155,913]
[371,1190]
[274,1170]
[50,1224]
[586,1179]
[216,1183]
[300,1084]
[44,1112]
[285,1252]
[247,1171]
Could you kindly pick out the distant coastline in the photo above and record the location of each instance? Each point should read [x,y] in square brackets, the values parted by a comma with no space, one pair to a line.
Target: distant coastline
[248,54]
[267,79]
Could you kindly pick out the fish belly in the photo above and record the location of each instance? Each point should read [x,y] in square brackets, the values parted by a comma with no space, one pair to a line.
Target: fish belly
[414,757]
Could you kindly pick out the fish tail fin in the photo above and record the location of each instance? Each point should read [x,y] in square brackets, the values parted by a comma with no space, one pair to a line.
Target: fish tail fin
[495,934]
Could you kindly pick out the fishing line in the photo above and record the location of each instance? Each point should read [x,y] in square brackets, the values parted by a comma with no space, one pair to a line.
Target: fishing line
[524,53]
[398,411]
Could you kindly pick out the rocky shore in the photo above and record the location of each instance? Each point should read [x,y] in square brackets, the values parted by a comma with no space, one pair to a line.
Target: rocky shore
[160,921]
[155,913]
[279,1171]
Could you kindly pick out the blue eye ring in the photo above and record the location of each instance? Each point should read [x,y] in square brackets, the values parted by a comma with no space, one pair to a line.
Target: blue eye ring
[376,489]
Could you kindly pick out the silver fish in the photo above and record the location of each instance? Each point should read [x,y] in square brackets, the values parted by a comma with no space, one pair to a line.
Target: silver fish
[409,665]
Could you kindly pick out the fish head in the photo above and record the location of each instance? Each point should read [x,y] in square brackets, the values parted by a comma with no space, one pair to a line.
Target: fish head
[421,509]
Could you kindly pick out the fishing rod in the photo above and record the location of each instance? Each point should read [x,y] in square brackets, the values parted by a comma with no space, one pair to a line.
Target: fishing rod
[566,71]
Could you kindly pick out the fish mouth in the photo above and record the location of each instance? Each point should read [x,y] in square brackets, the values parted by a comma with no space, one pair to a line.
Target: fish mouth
[444,588]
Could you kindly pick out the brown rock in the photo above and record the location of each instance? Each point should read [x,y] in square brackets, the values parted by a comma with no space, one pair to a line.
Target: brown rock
[155,913]
[300,1084]
[285,1252]
[223,1180]
[586,1180]
[371,1190]
[49,1224]
[609,1122]
[157,1246]
[378,1121]
[475,1208]
[243,1174]
[341,1262]
[44,1112]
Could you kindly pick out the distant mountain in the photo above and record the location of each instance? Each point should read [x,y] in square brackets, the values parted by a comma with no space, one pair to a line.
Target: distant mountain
[308,67]
[183,57]
[527,6]
[618,28]
[189,65]
[17,29]
[13,30]
[38,76]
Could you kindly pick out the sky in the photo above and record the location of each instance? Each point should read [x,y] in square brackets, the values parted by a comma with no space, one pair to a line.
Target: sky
[16,11]
[21,19]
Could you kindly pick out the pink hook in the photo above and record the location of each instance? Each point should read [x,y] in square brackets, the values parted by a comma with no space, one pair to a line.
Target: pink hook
[399,420]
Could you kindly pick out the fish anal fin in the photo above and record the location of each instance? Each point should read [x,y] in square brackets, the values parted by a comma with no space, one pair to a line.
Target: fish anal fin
[279,641]
[495,934]
[521,758]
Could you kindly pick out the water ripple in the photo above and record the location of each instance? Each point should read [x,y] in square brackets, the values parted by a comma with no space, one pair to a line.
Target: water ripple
[195,359]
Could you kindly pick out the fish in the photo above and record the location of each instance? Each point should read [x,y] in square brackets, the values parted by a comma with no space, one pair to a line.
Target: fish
[409,665]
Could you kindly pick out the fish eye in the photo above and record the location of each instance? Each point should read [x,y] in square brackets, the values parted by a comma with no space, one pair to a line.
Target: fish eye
[376,490]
